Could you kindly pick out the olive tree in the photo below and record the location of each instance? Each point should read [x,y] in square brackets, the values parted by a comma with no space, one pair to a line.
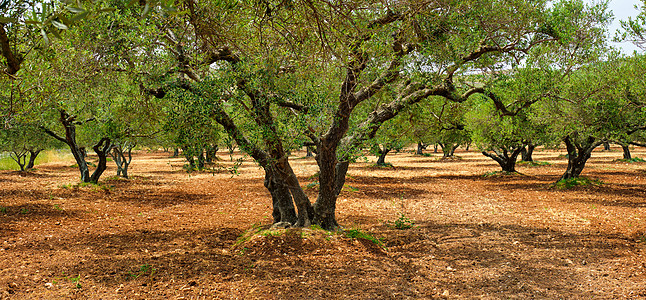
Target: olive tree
[270,70]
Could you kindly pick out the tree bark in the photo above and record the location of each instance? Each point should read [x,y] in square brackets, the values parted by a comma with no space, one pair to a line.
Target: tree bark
[606,146]
[381,160]
[448,150]
[528,152]
[578,155]
[420,148]
[626,149]
[69,123]
[325,205]
[506,159]
[119,154]
[32,158]
[211,153]
[102,148]
[283,205]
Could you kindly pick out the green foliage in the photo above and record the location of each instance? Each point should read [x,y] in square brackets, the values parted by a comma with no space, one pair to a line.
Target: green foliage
[97,187]
[534,163]
[3,209]
[575,182]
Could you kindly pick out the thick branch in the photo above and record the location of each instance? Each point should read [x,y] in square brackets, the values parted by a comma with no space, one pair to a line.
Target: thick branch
[13,61]
[53,134]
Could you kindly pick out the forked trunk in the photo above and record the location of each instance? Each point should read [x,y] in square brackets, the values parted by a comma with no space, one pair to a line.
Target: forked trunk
[119,157]
[578,155]
[102,148]
[528,152]
[281,198]
[20,157]
[506,159]
[448,150]
[420,148]
[32,158]
[303,204]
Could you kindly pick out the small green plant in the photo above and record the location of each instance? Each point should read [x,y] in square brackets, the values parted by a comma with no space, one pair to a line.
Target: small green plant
[427,154]
[3,209]
[358,234]
[24,211]
[403,222]
[56,207]
[76,282]
[146,268]
[577,181]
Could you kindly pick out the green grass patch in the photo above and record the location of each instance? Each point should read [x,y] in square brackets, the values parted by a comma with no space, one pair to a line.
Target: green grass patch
[632,160]
[383,166]
[533,163]
[87,185]
[358,234]
[499,174]
[578,181]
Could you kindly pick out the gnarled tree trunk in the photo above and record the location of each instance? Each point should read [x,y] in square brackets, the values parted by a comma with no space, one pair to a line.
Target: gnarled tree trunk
[20,157]
[527,152]
[626,149]
[102,148]
[122,156]
[448,150]
[506,159]
[283,206]
[381,158]
[32,158]
[420,148]
[578,155]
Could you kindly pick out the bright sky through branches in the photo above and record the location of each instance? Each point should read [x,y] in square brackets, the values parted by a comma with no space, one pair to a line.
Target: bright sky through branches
[622,9]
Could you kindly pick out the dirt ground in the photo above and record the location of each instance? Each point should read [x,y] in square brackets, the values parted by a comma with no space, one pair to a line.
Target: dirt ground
[167,234]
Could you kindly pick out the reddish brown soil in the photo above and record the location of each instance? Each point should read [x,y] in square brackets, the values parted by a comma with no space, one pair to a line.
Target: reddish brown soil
[166,234]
